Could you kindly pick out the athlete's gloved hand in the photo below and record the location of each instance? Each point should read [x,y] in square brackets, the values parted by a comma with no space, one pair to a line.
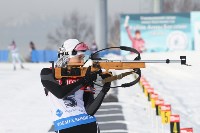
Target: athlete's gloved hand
[106,86]
[90,76]
[47,74]
[46,71]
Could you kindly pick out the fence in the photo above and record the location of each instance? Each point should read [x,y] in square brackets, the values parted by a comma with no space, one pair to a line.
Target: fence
[43,55]
[4,54]
[47,55]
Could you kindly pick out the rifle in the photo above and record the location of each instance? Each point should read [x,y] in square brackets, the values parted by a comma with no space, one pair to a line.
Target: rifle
[74,70]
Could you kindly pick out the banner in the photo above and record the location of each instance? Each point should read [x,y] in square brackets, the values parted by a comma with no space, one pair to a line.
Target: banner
[156,32]
[195,25]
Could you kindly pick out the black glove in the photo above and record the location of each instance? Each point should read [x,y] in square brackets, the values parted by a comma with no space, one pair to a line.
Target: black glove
[90,76]
[46,71]
[106,86]
[47,74]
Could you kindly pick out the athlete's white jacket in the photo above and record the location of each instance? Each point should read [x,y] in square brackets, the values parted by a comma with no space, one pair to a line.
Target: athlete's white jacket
[69,111]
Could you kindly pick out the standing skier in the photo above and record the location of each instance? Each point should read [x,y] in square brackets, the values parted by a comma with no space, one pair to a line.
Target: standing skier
[72,101]
[15,55]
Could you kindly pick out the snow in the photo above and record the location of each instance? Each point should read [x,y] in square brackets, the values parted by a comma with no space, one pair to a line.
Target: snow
[178,85]
[23,104]
[24,107]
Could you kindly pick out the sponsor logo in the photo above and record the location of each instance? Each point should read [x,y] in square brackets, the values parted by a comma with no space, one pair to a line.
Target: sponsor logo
[150,90]
[165,107]
[186,130]
[154,96]
[73,121]
[70,101]
[174,118]
[70,81]
[159,102]
[59,113]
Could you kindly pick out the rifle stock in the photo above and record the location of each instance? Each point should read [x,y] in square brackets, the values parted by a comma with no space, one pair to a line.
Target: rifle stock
[77,70]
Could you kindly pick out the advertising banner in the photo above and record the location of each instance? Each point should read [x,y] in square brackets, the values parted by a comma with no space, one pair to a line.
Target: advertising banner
[156,32]
[195,26]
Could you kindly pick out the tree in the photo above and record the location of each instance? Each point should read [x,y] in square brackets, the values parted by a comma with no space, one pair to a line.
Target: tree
[73,26]
[181,5]
[114,31]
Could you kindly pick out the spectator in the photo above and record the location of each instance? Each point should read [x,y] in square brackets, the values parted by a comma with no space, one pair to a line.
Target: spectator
[32,47]
[94,48]
[15,55]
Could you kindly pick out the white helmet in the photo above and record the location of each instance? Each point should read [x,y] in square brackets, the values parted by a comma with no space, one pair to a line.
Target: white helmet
[71,48]
[70,44]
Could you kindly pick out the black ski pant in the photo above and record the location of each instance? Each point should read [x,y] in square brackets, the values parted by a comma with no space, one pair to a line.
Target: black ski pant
[85,128]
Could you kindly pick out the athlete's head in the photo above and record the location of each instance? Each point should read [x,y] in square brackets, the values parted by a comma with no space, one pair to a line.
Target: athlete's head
[74,49]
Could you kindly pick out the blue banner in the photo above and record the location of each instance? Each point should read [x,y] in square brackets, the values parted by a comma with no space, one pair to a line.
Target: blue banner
[43,55]
[73,121]
[195,25]
[4,54]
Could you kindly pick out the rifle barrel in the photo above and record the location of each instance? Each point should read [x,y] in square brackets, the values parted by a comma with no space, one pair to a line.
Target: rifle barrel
[141,61]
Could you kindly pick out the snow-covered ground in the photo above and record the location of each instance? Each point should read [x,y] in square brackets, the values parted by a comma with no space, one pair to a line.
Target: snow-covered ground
[177,85]
[24,107]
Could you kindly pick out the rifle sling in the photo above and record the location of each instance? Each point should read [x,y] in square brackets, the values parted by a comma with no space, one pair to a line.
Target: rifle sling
[120,76]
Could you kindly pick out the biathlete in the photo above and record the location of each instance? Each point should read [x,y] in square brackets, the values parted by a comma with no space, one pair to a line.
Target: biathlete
[72,104]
